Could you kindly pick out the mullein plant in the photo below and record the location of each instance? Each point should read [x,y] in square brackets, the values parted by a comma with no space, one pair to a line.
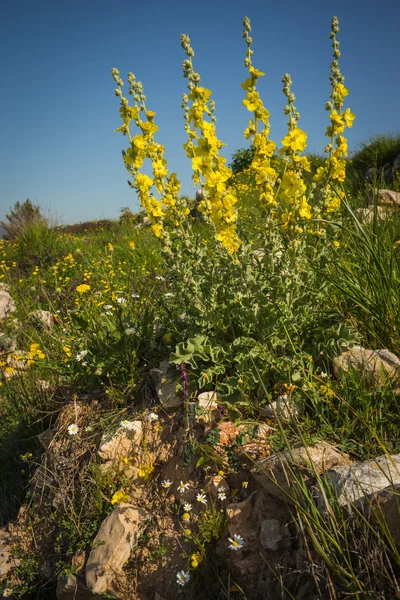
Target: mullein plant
[202,147]
[143,146]
[287,198]
[333,173]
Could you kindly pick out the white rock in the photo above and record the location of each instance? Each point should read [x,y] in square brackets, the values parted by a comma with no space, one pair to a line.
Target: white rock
[117,536]
[123,443]
[373,364]
[207,403]
[165,385]
[7,305]
[43,318]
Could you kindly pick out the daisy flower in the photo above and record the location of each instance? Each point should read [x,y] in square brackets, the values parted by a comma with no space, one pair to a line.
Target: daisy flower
[187,507]
[7,593]
[182,577]
[130,330]
[152,417]
[166,484]
[73,429]
[236,543]
[121,300]
[221,495]
[182,487]
[201,498]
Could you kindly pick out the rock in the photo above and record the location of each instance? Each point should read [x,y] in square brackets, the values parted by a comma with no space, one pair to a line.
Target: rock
[208,407]
[275,473]
[123,443]
[283,408]
[217,484]
[165,384]
[240,520]
[274,535]
[366,215]
[372,486]
[375,365]
[383,198]
[7,561]
[41,318]
[18,360]
[117,536]
[7,305]
[70,587]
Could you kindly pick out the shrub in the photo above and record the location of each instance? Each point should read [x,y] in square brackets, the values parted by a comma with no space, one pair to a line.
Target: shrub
[20,217]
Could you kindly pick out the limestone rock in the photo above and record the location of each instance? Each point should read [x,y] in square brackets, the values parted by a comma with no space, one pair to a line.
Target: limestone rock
[7,305]
[241,521]
[7,561]
[208,406]
[375,365]
[283,408]
[366,215]
[274,535]
[165,385]
[117,536]
[371,485]
[123,443]
[71,587]
[274,472]
[41,318]
[217,484]
[384,198]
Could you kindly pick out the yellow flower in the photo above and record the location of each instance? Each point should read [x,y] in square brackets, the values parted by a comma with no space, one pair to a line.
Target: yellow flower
[295,140]
[84,287]
[145,471]
[196,559]
[336,244]
[186,517]
[132,245]
[348,118]
[67,350]
[119,496]
[341,92]
[305,209]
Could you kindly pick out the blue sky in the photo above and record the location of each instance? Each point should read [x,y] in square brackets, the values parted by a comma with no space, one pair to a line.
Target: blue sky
[58,111]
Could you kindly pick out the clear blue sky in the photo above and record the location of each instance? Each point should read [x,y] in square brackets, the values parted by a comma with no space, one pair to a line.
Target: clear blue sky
[58,111]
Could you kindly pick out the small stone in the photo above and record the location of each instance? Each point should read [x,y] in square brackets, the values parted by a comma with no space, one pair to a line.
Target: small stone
[7,305]
[208,405]
[374,365]
[41,318]
[123,443]
[384,198]
[217,484]
[283,408]
[274,535]
[165,386]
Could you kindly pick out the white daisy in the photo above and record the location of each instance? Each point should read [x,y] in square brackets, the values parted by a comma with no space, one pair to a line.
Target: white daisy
[152,417]
[182,577]
[187,506]
[201,498]
[130,330]
[236,543]
[182,487]
[221,495]
[166,484]
[73,429]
